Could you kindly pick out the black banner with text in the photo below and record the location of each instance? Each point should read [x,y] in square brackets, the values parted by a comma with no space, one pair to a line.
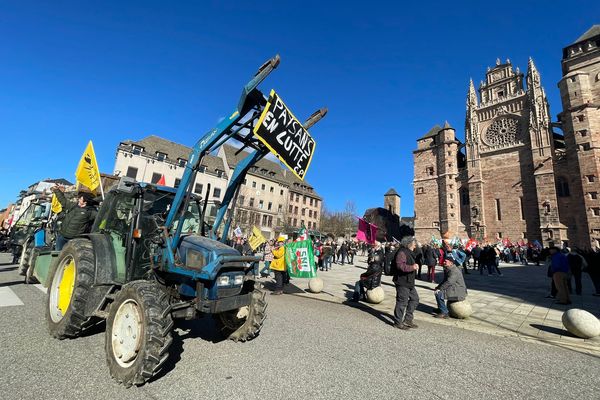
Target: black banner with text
[285,136]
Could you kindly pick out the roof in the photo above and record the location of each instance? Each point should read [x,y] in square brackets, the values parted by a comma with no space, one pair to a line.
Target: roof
[391,192]
[590,33]
[153,144]
[432,132]
[281,174]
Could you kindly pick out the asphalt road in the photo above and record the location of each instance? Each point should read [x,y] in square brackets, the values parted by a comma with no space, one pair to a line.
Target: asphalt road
[308,349]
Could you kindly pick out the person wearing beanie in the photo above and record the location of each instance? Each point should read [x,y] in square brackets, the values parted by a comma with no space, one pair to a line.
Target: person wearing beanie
[79,216]
[452,288]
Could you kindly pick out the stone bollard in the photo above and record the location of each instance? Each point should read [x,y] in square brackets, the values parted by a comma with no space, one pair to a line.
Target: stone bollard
[375,295]
[315,285]
[460,309]
[581,323]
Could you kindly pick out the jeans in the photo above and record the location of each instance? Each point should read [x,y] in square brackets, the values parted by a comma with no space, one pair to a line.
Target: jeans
[327,262]
[441,303]
[265,270]
[60,242]
[407,300]
[359,291]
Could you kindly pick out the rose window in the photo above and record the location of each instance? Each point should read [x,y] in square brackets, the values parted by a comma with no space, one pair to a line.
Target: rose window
[502,132]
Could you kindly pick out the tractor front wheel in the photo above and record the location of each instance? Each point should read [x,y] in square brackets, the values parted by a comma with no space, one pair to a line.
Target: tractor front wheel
[138,332]
[244,323]
[71,278]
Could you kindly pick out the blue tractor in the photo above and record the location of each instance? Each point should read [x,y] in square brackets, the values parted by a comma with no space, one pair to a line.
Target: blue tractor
[150,258]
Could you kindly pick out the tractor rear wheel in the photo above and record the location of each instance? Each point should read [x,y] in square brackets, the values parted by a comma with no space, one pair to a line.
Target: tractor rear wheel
[71,278]
[24,259]
[244,323]
[29,278]
[138,332]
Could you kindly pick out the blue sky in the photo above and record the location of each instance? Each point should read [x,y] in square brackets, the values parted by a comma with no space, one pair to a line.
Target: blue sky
[387,71]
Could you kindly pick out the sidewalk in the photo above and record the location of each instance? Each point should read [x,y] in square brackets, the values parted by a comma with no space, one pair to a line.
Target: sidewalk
[512,305]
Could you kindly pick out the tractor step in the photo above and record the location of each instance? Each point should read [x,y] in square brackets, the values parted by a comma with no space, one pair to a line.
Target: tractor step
[100,314]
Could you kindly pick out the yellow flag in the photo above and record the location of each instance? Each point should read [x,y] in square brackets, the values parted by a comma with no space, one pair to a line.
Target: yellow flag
[256,238]
[87,172]
[55,206]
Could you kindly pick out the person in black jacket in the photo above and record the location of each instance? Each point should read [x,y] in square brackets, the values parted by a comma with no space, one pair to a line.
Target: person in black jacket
[430,260]
[407,298]
[78,218]
[371,278]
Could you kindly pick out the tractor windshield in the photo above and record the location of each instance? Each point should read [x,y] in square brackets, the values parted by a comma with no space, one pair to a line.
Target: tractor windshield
[158,204]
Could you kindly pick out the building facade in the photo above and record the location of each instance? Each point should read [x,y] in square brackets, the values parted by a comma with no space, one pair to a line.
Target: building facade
[263,200]
[514,177]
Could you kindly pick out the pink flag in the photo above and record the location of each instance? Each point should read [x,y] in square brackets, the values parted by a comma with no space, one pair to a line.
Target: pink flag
[366,231]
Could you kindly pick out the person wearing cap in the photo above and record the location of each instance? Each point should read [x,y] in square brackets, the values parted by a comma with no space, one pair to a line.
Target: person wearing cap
[278,265]
[79,216]
[453,287]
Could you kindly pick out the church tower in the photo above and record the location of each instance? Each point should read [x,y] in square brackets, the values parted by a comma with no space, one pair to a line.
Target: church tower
[391,202]
[509,181]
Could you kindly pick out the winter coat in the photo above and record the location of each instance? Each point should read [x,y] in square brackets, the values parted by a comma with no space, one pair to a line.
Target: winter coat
[429,256]
[371,278]
[453,286]
[403,275]
[278,263]
[77,220]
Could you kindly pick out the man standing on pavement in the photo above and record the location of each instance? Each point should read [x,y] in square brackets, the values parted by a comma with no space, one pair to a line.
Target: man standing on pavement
[452,288]
[404,272]
[79,216]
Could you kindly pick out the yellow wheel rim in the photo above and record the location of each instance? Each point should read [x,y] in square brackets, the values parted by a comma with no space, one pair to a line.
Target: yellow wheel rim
[65,287]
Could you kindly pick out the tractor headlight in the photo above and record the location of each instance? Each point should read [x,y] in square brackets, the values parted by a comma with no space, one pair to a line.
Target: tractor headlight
[238,280]
[223,280]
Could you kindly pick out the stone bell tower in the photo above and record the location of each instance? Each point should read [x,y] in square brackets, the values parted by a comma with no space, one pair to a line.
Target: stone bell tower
[391,202]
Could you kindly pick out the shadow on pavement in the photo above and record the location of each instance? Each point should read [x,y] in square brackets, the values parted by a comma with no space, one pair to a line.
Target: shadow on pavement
[551,329]
[12,283]
[9,268]
[382,316]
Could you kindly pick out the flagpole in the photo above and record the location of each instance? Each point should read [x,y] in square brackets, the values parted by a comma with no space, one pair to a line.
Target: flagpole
[101,188]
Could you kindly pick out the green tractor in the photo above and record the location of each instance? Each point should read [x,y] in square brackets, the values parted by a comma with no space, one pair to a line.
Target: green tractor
[150,258]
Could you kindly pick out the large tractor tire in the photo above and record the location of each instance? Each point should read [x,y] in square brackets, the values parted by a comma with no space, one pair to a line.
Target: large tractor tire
[138,332]
[71,278]
[29,278]
[244,323]
[24,258]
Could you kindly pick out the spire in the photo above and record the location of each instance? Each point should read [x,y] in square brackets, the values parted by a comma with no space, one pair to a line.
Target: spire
[472,95]
[533,76]
[447,126]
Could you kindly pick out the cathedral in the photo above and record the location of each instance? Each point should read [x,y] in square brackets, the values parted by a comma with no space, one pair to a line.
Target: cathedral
[518,174]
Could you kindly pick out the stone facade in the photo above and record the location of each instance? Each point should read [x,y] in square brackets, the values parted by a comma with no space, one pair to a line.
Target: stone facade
[514,177]
[580,122]
[263,200]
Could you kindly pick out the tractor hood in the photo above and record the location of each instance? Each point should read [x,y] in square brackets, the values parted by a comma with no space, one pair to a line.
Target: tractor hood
[204,257]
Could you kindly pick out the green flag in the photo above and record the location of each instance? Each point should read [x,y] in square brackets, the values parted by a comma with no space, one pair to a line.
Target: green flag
[299,259]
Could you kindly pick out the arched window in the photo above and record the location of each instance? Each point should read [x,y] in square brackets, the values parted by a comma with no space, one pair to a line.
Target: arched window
[562,187]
